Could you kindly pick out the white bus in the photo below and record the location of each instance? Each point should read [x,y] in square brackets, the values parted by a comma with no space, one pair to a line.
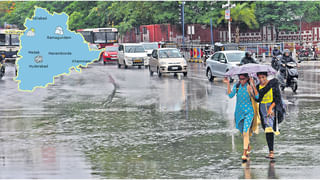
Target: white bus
[9,43]
[102,37]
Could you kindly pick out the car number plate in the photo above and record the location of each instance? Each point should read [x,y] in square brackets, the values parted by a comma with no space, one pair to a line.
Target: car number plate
[137,61]
[174,68]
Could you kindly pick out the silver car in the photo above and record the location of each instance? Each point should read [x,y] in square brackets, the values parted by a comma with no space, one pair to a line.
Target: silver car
[221,62]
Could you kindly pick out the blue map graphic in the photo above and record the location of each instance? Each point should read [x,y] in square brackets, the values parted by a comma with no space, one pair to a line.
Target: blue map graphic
[49,49]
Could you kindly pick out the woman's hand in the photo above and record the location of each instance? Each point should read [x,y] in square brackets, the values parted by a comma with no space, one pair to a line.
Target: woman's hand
[252,81]
[270,112]
[226,80]
[249,88]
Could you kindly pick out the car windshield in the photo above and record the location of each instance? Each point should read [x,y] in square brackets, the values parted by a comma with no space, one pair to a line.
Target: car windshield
[134,49]
[150,46]
[169,53]
[112,49]
[235,57]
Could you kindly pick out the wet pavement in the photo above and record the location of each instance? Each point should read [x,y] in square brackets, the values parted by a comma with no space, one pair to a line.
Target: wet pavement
[121,123]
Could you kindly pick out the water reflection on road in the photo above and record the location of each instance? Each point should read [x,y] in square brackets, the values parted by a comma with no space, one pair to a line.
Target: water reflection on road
[117,123]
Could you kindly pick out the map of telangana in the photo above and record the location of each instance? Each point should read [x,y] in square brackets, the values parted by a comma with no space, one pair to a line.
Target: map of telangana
[49,49]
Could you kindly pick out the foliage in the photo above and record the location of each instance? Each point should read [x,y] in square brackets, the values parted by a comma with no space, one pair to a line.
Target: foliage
[128,14]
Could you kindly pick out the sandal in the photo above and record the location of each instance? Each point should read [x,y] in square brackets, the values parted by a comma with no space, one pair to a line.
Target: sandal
[249,150]
[271,155]
[245,156]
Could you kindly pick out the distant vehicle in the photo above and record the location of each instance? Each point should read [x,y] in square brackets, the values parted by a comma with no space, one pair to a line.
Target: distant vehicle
[132,54]
[102,37]
[289,77]
[110,54]
[221,62]
[167,60]
[149,47]
[9,43]
[2,67]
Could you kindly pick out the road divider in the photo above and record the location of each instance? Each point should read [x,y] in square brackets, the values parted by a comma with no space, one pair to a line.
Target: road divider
[195,60]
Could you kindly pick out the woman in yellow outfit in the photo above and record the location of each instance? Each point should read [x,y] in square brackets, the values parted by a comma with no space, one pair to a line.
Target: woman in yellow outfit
[270,108]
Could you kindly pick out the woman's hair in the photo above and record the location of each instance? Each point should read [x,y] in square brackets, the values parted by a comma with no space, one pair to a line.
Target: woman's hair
[262,73]
[245,75]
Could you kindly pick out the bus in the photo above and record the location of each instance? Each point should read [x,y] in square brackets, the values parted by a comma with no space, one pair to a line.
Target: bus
[9,43]
[102,37]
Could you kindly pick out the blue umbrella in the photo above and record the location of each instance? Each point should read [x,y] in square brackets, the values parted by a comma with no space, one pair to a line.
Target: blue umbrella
[250,69]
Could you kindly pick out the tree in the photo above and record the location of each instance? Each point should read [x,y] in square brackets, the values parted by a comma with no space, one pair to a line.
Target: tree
[284,15]
[242,13]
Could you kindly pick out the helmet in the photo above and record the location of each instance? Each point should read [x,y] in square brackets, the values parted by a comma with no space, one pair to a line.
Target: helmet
[248,53]
[286,51]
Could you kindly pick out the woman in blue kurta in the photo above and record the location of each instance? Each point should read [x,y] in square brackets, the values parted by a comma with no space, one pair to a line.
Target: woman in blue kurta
[244,112]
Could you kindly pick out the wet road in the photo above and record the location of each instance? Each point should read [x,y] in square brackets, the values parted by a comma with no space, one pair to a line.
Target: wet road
[121,123]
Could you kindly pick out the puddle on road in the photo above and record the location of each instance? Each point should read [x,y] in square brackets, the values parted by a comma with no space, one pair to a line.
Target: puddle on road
[191,136]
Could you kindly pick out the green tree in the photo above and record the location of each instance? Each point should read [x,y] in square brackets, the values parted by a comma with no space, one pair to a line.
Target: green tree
[242,13]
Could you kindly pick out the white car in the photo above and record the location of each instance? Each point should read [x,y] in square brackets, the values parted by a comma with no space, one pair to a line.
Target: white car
[221,62]
[167,60]
[132,54]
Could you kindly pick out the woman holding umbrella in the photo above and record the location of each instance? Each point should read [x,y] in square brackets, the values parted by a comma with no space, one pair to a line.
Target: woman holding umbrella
[270,108]
[244,112]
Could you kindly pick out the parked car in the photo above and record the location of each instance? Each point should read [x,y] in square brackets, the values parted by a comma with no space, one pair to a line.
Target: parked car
[132,54]
[110,54]
[167,60]
[221,62]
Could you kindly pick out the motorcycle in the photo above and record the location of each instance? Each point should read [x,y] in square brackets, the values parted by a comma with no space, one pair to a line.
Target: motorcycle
[305,54]
[276,62]
[289,76]
[206,56]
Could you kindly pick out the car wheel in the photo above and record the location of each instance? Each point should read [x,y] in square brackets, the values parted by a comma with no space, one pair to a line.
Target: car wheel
[104,62]
[151,73]
[159,73]
[185,74]
[139,67]
[101,58]
[125,65]
[209,75]
[146,66]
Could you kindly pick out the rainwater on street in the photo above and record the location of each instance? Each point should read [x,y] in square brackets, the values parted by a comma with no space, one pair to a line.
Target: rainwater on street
[123,123]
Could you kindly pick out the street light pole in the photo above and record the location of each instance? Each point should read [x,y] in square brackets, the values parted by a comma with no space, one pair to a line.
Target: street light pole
[300,31]
[183,23]
[229,22]
[228,6]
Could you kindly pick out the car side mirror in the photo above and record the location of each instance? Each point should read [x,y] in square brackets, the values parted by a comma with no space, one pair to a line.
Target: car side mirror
[149,55]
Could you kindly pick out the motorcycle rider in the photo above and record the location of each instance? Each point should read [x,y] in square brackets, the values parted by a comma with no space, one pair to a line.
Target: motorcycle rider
[207,51]
[275,52]
[2,67]
[247,59]
[286,58]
